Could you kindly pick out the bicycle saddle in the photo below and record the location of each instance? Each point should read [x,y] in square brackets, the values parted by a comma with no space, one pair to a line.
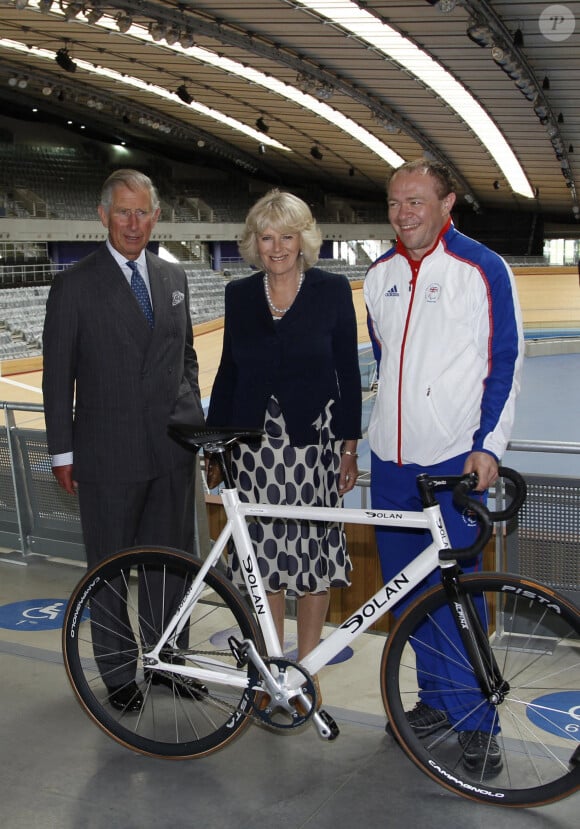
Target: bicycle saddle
[199,436]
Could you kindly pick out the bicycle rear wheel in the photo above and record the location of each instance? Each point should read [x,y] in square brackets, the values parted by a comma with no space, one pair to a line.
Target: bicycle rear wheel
[534,635]
[145,586]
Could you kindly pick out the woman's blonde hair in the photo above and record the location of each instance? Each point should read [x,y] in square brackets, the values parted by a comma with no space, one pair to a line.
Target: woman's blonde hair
[284,213]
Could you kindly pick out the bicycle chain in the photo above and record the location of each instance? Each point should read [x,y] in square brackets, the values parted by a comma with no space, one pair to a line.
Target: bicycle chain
[222,704]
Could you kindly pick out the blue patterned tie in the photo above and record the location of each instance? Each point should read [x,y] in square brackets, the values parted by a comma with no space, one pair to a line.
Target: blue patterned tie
[140,290]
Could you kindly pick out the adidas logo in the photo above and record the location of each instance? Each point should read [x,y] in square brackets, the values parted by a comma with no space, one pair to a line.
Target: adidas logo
[394,291]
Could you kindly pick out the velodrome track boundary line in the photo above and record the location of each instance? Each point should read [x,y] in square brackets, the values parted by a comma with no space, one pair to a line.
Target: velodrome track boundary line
[19,385]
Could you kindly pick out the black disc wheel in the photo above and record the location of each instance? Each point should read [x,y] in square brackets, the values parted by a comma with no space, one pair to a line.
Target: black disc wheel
[516,746]
[118,611]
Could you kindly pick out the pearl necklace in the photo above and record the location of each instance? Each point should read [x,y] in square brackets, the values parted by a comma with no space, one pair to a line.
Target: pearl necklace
[269,298]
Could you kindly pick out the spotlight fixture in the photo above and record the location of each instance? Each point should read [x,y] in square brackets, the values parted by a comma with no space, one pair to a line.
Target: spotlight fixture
[546,82]
[518,39]
[183,94]
[541,111]
[172,36]
[571,148]
[312,86]
[526,87]
[324,90]
[262,125]
[386,123]
[47,90]
[507,62]
[186,40]
[479,34]
[157,30]
[496,185]
[45,6]
[124,22]
[94,15]
[72,11]
[64,60]
[315,152]
[446,6]
[560,118]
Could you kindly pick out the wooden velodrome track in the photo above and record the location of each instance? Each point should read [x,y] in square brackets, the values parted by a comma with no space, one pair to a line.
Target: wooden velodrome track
[549,297]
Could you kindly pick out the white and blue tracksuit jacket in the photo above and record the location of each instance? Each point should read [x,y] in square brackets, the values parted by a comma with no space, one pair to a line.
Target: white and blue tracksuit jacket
[447,336]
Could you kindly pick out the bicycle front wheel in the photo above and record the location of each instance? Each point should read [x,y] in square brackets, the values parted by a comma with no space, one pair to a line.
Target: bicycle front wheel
[117,611]
[521,747]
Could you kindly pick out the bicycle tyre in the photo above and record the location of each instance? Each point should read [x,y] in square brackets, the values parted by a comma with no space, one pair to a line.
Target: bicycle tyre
[534,634]
[171,724]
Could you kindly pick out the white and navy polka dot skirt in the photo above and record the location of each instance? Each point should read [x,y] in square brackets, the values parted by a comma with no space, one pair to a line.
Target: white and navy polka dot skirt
[297,556]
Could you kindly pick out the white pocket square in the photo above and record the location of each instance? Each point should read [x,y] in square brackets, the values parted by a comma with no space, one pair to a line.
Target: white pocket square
[177,297]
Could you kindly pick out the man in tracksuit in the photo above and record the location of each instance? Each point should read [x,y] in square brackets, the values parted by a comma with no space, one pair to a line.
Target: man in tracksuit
[446,331]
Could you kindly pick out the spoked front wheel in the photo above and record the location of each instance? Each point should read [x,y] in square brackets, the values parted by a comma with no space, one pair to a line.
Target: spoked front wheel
[522,746]
[118,611]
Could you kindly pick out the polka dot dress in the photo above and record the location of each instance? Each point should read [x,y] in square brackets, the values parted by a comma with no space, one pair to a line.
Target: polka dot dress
[297,556]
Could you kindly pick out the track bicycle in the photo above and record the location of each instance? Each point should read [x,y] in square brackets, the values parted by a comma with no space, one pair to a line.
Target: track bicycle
[517,652]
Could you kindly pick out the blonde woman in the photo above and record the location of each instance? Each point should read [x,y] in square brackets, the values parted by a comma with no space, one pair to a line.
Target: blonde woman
[290,366]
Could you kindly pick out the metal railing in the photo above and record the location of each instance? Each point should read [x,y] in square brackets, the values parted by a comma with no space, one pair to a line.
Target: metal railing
[38,517]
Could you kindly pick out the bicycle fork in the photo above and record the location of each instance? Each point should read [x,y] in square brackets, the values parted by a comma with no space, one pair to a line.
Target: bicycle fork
[474,638]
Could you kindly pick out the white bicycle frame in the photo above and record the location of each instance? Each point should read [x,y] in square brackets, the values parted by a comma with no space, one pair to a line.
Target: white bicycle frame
[374,608]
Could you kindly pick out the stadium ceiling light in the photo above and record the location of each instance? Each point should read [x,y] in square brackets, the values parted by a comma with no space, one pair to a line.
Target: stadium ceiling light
[183,94]
[173,35]
[186,39]
[262,125]
[315,152]
[72,10]
[386,40]
[149,88]
[94,15]
[124,22]
[480,34]
[64,60]
[157,30]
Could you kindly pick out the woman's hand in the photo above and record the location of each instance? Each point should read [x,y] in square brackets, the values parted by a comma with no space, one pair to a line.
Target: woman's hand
[213,472]
[348,471]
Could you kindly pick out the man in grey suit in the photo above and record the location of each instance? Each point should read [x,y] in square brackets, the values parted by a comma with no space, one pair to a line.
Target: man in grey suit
[118,344]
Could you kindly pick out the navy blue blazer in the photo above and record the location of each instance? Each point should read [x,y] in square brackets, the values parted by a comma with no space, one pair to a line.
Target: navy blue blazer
[304,359]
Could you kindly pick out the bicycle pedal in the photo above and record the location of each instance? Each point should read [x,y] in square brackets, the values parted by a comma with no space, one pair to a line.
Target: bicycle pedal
[326,725]
[239,650]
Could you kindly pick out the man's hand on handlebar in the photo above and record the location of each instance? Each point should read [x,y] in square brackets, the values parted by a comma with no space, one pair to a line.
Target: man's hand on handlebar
[486,467]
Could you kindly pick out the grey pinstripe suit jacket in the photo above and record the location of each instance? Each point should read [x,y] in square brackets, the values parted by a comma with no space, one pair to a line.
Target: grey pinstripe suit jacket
[130,381]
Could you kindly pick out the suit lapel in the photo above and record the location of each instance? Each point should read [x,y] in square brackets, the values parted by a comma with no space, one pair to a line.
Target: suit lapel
[160,292]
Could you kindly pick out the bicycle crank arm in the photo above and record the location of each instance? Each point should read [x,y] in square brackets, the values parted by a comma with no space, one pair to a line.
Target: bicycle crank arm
[246,651]
[325,725]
